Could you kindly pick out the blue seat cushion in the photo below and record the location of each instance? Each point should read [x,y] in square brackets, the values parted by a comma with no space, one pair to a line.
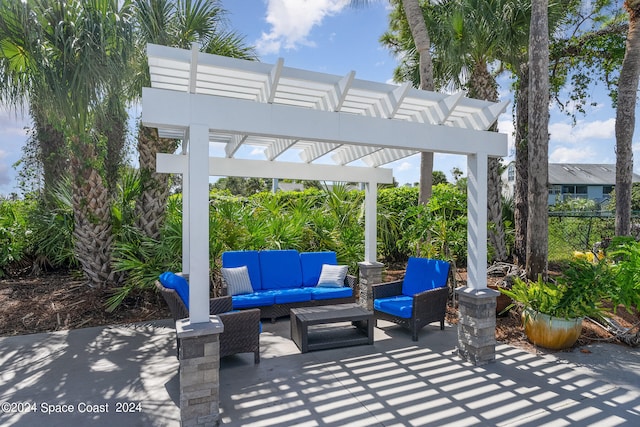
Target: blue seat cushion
[284,296]
[424,274]
[328,293]
[251,259]
[280,269]
[311,264]
[401,305]
[256,299]
[178,283]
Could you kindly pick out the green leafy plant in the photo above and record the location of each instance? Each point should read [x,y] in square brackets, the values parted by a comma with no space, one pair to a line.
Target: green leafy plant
[579,292]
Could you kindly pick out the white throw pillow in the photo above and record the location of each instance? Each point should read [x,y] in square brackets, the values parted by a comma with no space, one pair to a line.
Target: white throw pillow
[238,281]
[332,276]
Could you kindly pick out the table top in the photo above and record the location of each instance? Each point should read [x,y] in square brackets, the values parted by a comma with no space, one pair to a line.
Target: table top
[331,313]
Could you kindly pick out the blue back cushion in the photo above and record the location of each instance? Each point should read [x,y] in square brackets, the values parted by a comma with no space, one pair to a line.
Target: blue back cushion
[424,274]
[311,264]
[249,258]
[280,269]
[178,283]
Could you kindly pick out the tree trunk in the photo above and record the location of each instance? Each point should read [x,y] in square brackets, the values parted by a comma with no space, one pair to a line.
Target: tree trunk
[482,85]
[92,231]
[420,35]
[53,151]
[625,120]
[113,126]
[522,172]
[152,204]
[538,141]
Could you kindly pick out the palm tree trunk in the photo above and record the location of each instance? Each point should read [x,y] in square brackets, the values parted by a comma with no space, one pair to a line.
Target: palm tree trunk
[53,151]
[420,34]
[92,232]
[626,119]
[522,172]
[152,204]
[538,141]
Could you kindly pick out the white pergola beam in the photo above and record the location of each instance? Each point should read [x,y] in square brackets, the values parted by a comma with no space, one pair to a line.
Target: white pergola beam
[274,78]
[176,163]
[233,145]
[278,147]
[175,109]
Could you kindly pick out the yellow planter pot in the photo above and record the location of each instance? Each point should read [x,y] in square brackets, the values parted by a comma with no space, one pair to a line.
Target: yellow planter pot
[551,332]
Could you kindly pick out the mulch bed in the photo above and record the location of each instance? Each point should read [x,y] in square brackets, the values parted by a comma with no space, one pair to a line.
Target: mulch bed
[61,300]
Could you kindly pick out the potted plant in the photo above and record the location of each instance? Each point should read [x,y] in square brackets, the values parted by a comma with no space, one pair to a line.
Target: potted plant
[552,311]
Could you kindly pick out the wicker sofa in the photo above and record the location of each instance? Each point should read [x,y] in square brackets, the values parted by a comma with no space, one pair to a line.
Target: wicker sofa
[285,279]
[241,328]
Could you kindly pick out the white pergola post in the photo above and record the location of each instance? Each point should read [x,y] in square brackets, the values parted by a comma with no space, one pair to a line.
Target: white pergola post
[370,219]
[477,221]
[185,221]
[198,203]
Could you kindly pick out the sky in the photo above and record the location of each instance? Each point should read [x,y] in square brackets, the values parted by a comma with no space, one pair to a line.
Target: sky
[331,36]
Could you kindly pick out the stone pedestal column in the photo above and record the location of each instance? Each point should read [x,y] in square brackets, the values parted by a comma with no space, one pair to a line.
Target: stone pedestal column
[477,325]
[199,371]
[370,273]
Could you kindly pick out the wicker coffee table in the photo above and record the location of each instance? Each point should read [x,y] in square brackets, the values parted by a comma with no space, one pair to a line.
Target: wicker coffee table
[331,326]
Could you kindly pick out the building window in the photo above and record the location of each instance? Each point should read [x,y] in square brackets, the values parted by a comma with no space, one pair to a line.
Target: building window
[574,192]
[607,189]
[511,173]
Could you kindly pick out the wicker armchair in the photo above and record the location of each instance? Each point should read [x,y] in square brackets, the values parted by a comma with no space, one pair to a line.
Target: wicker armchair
[241,328]
[417,300]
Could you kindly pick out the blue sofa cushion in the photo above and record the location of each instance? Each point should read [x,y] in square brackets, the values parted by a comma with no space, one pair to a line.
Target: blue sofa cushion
[424,274]
[256,299]
[284,296]
[280,269]
[401,305]
[320,293]
[178,283]
[249,258]
[311,264]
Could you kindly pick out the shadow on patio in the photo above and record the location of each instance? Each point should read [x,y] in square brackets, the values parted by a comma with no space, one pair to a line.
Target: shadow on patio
[394,382]
[398,382]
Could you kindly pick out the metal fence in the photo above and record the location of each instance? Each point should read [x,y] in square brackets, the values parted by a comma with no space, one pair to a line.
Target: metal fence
[571,231]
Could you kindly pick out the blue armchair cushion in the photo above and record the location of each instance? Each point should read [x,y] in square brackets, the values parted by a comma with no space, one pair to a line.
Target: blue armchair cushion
[332,276]
[178,283]
[250,259]
[280,269]
[401,305]
[320,293]
[311,264]
[256,299]
[424,274]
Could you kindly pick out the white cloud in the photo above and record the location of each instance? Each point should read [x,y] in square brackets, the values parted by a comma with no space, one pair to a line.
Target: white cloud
[405,166]
[598,129]
[292,20]
[505,126]
[583,154]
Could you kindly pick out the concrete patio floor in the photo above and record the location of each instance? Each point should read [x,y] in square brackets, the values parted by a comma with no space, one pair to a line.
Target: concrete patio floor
[395,382]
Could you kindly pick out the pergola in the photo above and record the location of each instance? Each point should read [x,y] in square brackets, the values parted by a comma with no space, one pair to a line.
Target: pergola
[340,127]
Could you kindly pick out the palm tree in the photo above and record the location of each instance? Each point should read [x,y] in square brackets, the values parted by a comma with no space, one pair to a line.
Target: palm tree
[469,36]
[625,119]
[65,62]
[412,10]
[538,141]
[178,24]
[49,147]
